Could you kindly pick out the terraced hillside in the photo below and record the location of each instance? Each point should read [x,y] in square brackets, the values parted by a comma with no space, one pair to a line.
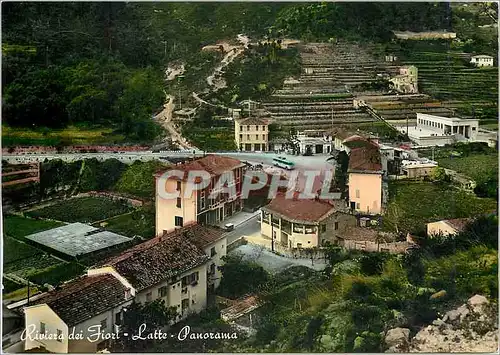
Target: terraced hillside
[322,95]
[446,75]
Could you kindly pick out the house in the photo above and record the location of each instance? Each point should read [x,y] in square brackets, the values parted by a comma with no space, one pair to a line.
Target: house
[391,58]
[176,268]
[170,267]
[304,223]
[482,60]
[447,227]
[314,141]
[213,242]
[414,171]
[365,179]
[198,206]
[251,134]
[278,144]
[90,301]
[406,82]
[12,328]
[436,130]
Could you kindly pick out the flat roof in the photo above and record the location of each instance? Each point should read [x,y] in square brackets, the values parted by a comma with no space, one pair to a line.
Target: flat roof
[449,119]
[77,239]
[420,132]
[423,165]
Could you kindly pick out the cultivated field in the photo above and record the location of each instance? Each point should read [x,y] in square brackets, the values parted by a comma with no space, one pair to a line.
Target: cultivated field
[84,210]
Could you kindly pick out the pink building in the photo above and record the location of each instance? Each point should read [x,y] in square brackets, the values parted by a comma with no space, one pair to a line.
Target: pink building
[198,207]
[365,179]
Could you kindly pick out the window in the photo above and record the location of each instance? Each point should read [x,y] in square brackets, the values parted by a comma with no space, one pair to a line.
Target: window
[185,304]
[104,323]
[256,128]
[212,251]
[263,137]
[248,137]
[257,137]
[178,186]
[191,279]
[178,221]
[241,137]
[162,292]
[149,297]
[42,328]
[179,202]
[323,228]
[118,318]
[59,335]
[357,193]
[212,269]
[202,199]
[263,128]
[336,225]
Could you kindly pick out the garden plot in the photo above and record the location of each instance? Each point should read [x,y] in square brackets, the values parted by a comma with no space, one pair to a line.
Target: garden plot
[84,209]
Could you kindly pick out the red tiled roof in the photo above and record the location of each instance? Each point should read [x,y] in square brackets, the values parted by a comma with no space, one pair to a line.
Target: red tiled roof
[303,210]
[458,224]
[365,159]
[213,164]
[156,260]
[201,236]
[253,121]
[85,298]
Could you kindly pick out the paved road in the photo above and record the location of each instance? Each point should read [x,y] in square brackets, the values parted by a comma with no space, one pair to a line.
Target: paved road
[249,227]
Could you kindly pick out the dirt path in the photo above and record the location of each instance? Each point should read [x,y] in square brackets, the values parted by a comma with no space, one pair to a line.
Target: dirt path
[165,119]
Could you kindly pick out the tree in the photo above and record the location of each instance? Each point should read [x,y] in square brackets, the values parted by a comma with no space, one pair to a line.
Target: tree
[240,277]
[145,318]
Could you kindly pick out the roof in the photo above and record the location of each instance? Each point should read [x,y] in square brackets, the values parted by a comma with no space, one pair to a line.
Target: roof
[458,224]
[85,298]
[213,164]
[358,141]
[482,56]
[359,234]
[299,210]
[77,239]
[157,259]
[240,308]
[447,119]
[365,159]
[341,133]
[201,236]
[253,120]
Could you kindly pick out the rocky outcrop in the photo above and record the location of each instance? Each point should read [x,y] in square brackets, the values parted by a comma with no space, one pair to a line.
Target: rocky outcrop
[472,327]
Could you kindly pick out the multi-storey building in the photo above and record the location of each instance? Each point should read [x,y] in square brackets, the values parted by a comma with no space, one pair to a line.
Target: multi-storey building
[304,223]
[198,206]
[251,134]
[177,268]
[365,179]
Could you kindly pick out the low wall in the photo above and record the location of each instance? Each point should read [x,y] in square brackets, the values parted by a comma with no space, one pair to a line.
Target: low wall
[236,243]
[394,247]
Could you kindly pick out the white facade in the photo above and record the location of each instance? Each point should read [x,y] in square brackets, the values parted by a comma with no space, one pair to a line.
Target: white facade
[436,130]
[315,143]
[482,60]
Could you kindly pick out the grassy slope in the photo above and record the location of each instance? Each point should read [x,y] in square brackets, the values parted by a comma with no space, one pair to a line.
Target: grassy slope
[412,204]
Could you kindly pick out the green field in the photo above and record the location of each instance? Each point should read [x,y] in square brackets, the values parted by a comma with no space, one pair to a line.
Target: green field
[12,136]
[14,250]
[413,204]
[477,166]
[32,265]
[140,222]
[84,210]
[10,286]
[58,274]
[138,179]
[18,227]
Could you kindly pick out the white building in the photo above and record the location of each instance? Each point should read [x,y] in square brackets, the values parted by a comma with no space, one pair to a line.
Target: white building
[482,60]
[436,130]
[315,142]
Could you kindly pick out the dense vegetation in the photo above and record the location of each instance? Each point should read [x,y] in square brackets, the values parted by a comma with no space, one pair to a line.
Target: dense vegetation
[361,295]
[100,65]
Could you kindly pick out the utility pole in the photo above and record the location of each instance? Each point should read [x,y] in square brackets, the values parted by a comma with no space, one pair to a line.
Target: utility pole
[272,232]
[407,125]
[332,118]
[28,303]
